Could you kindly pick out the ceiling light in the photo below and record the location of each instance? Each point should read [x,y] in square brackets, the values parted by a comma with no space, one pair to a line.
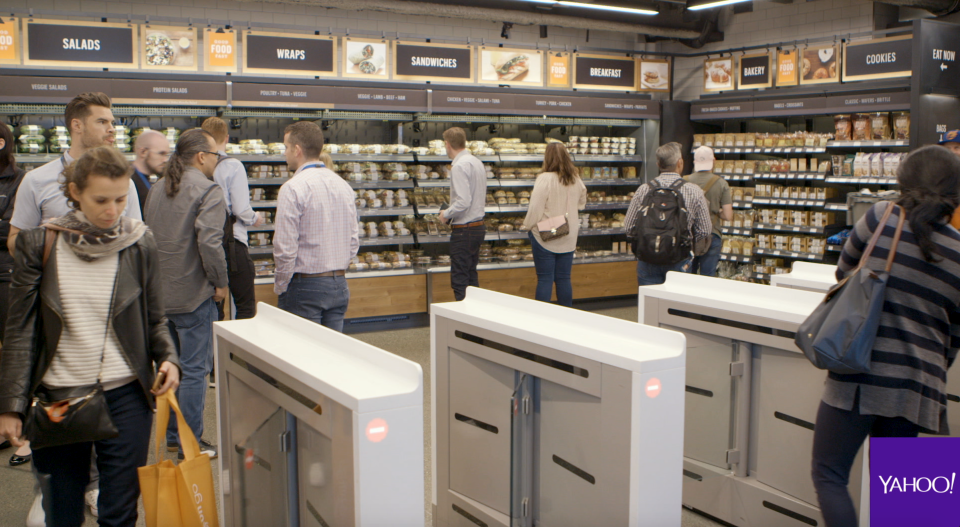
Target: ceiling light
[599,7]
[714,4]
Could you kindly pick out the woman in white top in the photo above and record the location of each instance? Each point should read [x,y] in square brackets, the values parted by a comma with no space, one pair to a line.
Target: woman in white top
[558,192]
[86,316]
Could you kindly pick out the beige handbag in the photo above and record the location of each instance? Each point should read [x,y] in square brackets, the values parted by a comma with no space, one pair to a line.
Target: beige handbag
[557,226]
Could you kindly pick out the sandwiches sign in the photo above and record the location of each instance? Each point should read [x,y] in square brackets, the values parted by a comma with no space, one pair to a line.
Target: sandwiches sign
[432,62]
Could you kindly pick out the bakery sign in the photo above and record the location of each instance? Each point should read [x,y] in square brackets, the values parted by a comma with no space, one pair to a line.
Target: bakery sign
[881,58]
[434,62]
[80,44]
[604,72]
[755,72]
[289,54]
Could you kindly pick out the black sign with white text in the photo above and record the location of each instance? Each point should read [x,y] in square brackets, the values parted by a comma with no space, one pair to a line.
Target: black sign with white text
[755,71]
[609,72]
[939,70]
[877,59]
[880,102]
[289,53]
[102,44]
[434,61]
[805,106]
[551,105]
[706,111]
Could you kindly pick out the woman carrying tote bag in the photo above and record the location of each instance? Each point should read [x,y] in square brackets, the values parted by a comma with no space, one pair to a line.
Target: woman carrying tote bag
[557,197]
[85,334]
[904,392]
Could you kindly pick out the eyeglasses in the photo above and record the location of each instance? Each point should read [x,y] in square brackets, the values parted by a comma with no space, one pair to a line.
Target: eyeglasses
[212,153]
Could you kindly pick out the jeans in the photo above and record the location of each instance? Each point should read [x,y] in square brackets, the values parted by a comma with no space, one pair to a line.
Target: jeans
[68,466]
[836,440]
[240,275]
[652,274]
[552,268]
[706,264]
[322,299]
[193,335]
[464,256]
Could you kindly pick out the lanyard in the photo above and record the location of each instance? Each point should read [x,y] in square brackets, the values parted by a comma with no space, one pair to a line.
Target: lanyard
[311,165]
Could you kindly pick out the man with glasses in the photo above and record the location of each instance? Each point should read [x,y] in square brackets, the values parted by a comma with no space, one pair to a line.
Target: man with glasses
[153,152]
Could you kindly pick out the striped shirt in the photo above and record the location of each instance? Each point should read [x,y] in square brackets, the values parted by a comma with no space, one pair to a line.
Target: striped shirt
[919,327]
[316,225]
[698,213]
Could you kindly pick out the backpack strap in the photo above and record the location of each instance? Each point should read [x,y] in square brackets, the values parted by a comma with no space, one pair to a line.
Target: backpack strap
[713,180]
[50,236]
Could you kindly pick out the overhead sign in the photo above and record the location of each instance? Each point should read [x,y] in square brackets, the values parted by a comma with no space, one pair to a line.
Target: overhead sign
[654,75]
[433,62]
[220,50]
[938,69]
[79,44]
[718,74]
[512,67]
[552,105]
[168,92]
[604,72]
[879,102]
[49,90]
[366,59]
[9,41]
[804,106]
[558,69]
[820,65]
[169,48]
[283,95]
[755,71]
[787,70]
[881,58]
[706,111]
[289,54]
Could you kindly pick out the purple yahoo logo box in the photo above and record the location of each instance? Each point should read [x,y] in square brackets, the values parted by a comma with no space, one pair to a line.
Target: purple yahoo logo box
[914,481]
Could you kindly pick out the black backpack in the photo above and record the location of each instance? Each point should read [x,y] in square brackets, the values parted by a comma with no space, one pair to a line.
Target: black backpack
[661,234]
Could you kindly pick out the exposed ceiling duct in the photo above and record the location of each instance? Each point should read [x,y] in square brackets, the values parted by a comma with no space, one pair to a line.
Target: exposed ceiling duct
[496,15]
[937,7]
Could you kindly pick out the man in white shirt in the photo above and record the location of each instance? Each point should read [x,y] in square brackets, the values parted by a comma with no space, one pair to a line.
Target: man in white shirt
[316,232]
[90,121]
[232,178]
[468,195]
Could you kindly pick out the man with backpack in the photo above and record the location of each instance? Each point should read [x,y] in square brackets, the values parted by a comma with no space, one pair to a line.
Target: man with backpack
[717,191]
[667,219]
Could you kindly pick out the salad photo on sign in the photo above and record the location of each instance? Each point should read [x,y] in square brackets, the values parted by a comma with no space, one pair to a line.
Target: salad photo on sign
[502,66]
[170,48]
[718,74]
[365,58]
[819,65]
[654,75]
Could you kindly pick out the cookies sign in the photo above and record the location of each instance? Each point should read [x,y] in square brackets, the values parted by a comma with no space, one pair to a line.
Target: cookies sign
[820,65]
[718,74]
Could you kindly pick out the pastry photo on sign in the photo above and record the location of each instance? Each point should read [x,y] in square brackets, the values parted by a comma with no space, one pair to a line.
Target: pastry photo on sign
[511,67]
[819,65]
[366,58]
[171,48]
[718,74]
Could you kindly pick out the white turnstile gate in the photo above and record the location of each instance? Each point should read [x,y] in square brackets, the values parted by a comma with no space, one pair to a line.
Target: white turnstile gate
[552,417]
[316,428]
[807,276]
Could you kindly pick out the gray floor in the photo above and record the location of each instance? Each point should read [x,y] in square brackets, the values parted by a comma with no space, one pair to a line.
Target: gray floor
[16,483]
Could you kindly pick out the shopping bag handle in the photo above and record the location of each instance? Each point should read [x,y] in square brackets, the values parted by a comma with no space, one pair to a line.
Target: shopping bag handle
[187,440]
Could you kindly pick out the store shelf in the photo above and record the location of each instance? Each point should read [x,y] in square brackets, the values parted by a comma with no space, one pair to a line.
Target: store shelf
[508,183]
[46,158]
[841,207]
[529,263]
[599,159]
[815,203]
[787,254]
[445,238]
[621,205]
[737,177]
[265,181]
[602,232]
[862,180]
[759,276]
[736,231]
[387,240]
[739,258]
[395,211]
[742,205]
[381,184]
[798,176]
[261,250]
[773,227]
[834,248]
[268,227]
[774,150]
[866,144]
[264,204]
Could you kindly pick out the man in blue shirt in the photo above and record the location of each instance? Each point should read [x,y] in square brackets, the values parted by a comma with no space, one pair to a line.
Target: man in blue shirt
[152,151]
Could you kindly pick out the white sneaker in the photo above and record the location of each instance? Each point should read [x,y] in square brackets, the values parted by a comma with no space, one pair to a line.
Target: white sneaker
[91,497]
[36,516]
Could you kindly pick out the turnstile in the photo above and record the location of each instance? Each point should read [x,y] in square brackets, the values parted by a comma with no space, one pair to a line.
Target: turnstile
[316,428]
[553,417]
[807,276]
[751,400]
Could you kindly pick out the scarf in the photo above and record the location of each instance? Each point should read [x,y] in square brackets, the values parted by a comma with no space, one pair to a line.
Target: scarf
[90,242]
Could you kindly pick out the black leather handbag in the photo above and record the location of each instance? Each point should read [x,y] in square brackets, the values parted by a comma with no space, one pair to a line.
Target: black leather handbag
[79,414]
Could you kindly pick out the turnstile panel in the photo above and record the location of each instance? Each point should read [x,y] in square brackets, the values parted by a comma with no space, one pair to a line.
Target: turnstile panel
[262,473]
[480,419]
[710,400]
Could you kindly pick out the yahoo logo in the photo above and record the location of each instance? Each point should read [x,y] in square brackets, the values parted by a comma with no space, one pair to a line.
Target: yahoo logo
[893,484]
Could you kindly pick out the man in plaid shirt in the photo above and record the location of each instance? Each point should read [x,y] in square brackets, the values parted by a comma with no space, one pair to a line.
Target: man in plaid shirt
[670,163]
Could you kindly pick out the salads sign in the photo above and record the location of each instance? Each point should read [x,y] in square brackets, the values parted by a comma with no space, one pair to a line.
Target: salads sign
[69,43]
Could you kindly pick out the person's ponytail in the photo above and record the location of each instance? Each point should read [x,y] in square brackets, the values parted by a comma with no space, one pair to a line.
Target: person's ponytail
[191,143]
[930,192]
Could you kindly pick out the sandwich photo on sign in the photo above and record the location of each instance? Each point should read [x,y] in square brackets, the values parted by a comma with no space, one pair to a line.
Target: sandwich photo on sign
[755,71]
[654,75]
[365,58]
[819,65]
[718,74]
[506,66]
[168,48]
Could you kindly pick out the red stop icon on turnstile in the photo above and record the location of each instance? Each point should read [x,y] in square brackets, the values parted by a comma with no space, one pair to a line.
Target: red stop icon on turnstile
[377,430]
[248,459]
[653,387]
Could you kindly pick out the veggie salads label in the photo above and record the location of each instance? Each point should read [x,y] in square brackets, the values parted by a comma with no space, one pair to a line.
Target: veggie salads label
[220,49]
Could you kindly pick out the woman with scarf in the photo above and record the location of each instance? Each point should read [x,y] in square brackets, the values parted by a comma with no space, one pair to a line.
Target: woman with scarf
[87,316]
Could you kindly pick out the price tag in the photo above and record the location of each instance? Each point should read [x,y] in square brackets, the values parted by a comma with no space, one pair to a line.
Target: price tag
[792,176]
[776,253]
[856,143]
[776,227]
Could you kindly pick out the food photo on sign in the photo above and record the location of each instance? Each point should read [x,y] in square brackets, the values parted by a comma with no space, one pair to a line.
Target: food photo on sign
[654,75]
[820,65]
[169,47]
[718,74]
[511,66]
[366,58]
